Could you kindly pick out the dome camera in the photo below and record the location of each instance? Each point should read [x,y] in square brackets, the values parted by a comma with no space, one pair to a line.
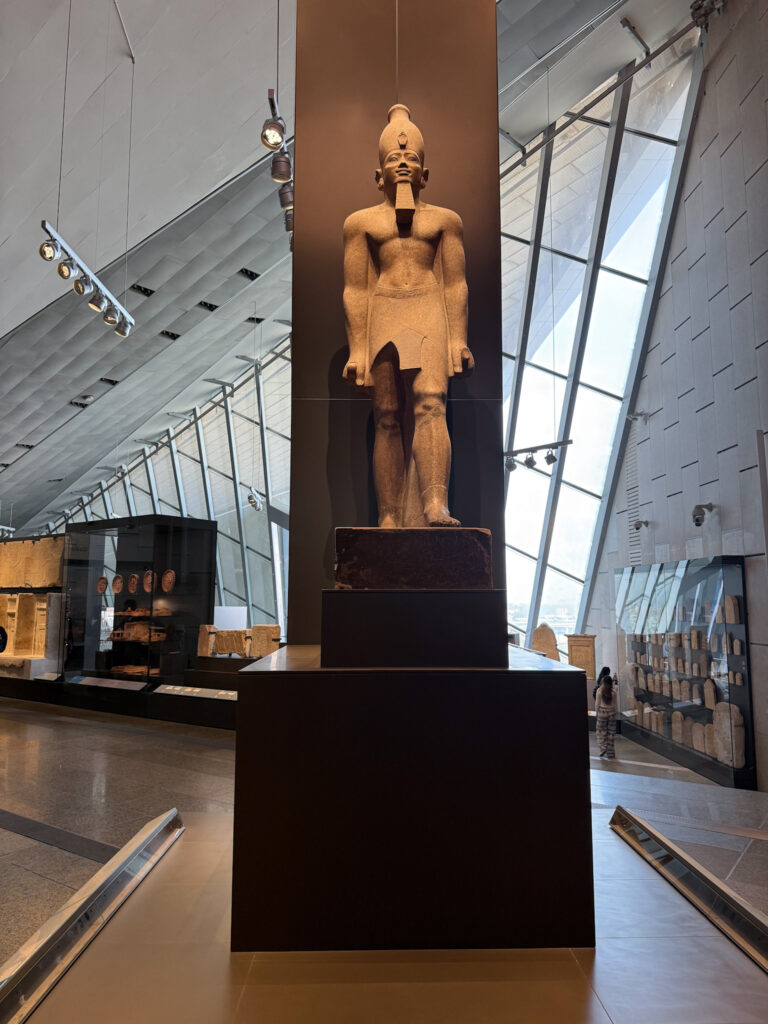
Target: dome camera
[699,513]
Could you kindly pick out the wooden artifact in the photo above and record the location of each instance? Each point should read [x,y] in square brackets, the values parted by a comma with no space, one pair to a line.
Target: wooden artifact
[101,585]
[168,581]
[117,584]
[405,305]
[133,583]
[149,581]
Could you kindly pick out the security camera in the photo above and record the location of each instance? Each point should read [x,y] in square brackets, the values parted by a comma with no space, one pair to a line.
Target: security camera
[639,524]
[699,513]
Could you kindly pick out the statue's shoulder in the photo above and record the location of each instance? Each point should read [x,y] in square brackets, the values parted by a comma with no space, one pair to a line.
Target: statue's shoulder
[448,220]
[360,221]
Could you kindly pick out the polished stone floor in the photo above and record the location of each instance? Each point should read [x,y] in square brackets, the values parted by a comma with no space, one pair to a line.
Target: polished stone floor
[83,783]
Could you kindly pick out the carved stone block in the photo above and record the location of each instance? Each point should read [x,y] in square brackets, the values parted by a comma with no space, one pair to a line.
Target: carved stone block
[699,738]
[677,726]
[688,724]
[685,690]
[264,640]
[728,725]
[709,740]
[206,641]
[676,695]
[26,608]
[732,609]
[710,694]
[233,641]
[543,638]
[697,693]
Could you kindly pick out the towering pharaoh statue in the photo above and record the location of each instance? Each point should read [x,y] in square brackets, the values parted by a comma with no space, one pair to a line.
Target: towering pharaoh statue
[405,303]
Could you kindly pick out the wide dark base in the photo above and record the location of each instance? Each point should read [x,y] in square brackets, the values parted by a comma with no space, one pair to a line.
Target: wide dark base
[414,628]
[413,559]
[411,809]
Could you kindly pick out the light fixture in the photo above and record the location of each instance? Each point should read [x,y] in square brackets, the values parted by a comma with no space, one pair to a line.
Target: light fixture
[529,461]
[286,195]
[98,302]
[510,464]
[66,268]
[550,458]
[254,499]
[123,328]
[281,166]
[82,285]
[111,316]
[50,250]
[273,130]
[289,220]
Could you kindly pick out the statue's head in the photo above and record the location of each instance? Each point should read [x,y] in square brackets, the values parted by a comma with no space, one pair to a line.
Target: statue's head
[401,152]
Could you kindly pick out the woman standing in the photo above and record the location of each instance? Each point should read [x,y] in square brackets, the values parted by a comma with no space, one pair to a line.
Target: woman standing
[605,708]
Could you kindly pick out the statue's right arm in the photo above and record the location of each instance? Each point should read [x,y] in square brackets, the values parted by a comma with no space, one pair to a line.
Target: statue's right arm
[356,298]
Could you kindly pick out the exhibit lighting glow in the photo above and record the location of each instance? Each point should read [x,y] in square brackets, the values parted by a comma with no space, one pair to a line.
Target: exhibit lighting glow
[281,167]
[66,268]
[50,250]
[82,285]
[273,132]
[97,302]
[111,316]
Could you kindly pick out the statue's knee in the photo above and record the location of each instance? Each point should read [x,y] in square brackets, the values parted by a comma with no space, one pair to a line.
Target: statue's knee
[388,421]
[429,404]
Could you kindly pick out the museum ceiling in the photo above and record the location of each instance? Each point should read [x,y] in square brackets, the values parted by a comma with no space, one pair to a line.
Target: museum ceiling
[197,286]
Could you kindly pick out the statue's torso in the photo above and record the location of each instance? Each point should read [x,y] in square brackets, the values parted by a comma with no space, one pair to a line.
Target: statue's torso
[404,257]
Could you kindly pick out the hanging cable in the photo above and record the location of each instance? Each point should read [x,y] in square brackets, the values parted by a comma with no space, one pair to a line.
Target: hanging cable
[552,271]
[277,58]
[63,116]
[128,184]
[397,51]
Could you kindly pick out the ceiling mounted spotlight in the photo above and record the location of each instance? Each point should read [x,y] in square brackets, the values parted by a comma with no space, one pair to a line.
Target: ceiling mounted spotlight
[111,316]
[286,195]
[66,268]
[550,458]
[50,250]
[273,130]
[123,328]
[510,464]
[82,285]
[281,166]
[289,220]
[98,302]
[529,461]
[255,499]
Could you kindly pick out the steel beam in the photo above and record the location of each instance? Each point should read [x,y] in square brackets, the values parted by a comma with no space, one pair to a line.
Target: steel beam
[274,552]
[238,507]
[531,273]
[644,329]
[151,481]
[128,490]
[597,241]
[208,494]
[177,472]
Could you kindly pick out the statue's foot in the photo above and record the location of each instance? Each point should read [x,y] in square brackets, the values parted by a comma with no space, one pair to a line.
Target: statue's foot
[387,522]
[437,514]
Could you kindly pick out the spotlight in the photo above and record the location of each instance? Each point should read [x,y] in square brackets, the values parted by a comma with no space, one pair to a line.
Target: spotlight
[281,166]
[289,220]
[123,329]
[254,499]
[50,249]
[529,460]
[111,316]
[273,132]
[286,195]
[510,464]
[66,268]
[550,458]
[82,285]
[97,302]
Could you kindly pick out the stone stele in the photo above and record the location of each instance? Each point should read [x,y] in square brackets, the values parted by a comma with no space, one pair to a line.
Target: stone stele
[728,724]
[405,306]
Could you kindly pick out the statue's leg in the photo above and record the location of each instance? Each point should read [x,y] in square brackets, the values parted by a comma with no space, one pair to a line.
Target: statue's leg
[431,442]
[388,454]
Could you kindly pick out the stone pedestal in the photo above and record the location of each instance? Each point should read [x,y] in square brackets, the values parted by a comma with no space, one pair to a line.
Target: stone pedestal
[413,559]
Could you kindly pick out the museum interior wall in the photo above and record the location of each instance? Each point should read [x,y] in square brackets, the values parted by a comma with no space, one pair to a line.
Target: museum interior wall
[705,378]
[199,101]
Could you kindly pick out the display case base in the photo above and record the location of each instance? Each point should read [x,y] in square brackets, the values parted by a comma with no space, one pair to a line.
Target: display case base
[411,808]
[13,666]
[737,778]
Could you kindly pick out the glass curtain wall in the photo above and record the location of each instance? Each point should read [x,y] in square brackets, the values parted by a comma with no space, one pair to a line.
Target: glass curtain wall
[229,461]
[580,225]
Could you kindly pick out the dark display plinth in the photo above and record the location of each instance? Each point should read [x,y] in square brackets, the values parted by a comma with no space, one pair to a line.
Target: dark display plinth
[413,559]
[414,628]
[411,809]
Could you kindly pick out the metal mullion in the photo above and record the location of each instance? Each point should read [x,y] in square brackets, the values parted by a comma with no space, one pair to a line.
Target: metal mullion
[103,489]
[151,480]
[238,509]
[583,384]
[566,574]
[532,271]
[273,548]
[520,551]
[594,259]
[644,329]
[198,421]
[625,274]
[128,490]
[176,471]
[86,503]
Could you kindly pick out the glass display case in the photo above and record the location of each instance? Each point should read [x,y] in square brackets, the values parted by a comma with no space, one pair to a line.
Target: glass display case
[684,675]
[137,592]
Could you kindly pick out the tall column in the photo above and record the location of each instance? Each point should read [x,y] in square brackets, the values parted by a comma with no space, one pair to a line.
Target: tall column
[354,59]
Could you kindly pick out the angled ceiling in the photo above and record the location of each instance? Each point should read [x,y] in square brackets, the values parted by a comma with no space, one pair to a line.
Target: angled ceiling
[199,79]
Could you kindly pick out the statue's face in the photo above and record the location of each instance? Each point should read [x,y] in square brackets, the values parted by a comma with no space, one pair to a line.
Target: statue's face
[402,166]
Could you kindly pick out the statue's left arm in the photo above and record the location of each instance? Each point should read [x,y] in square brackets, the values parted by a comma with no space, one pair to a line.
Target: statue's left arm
[455,291]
